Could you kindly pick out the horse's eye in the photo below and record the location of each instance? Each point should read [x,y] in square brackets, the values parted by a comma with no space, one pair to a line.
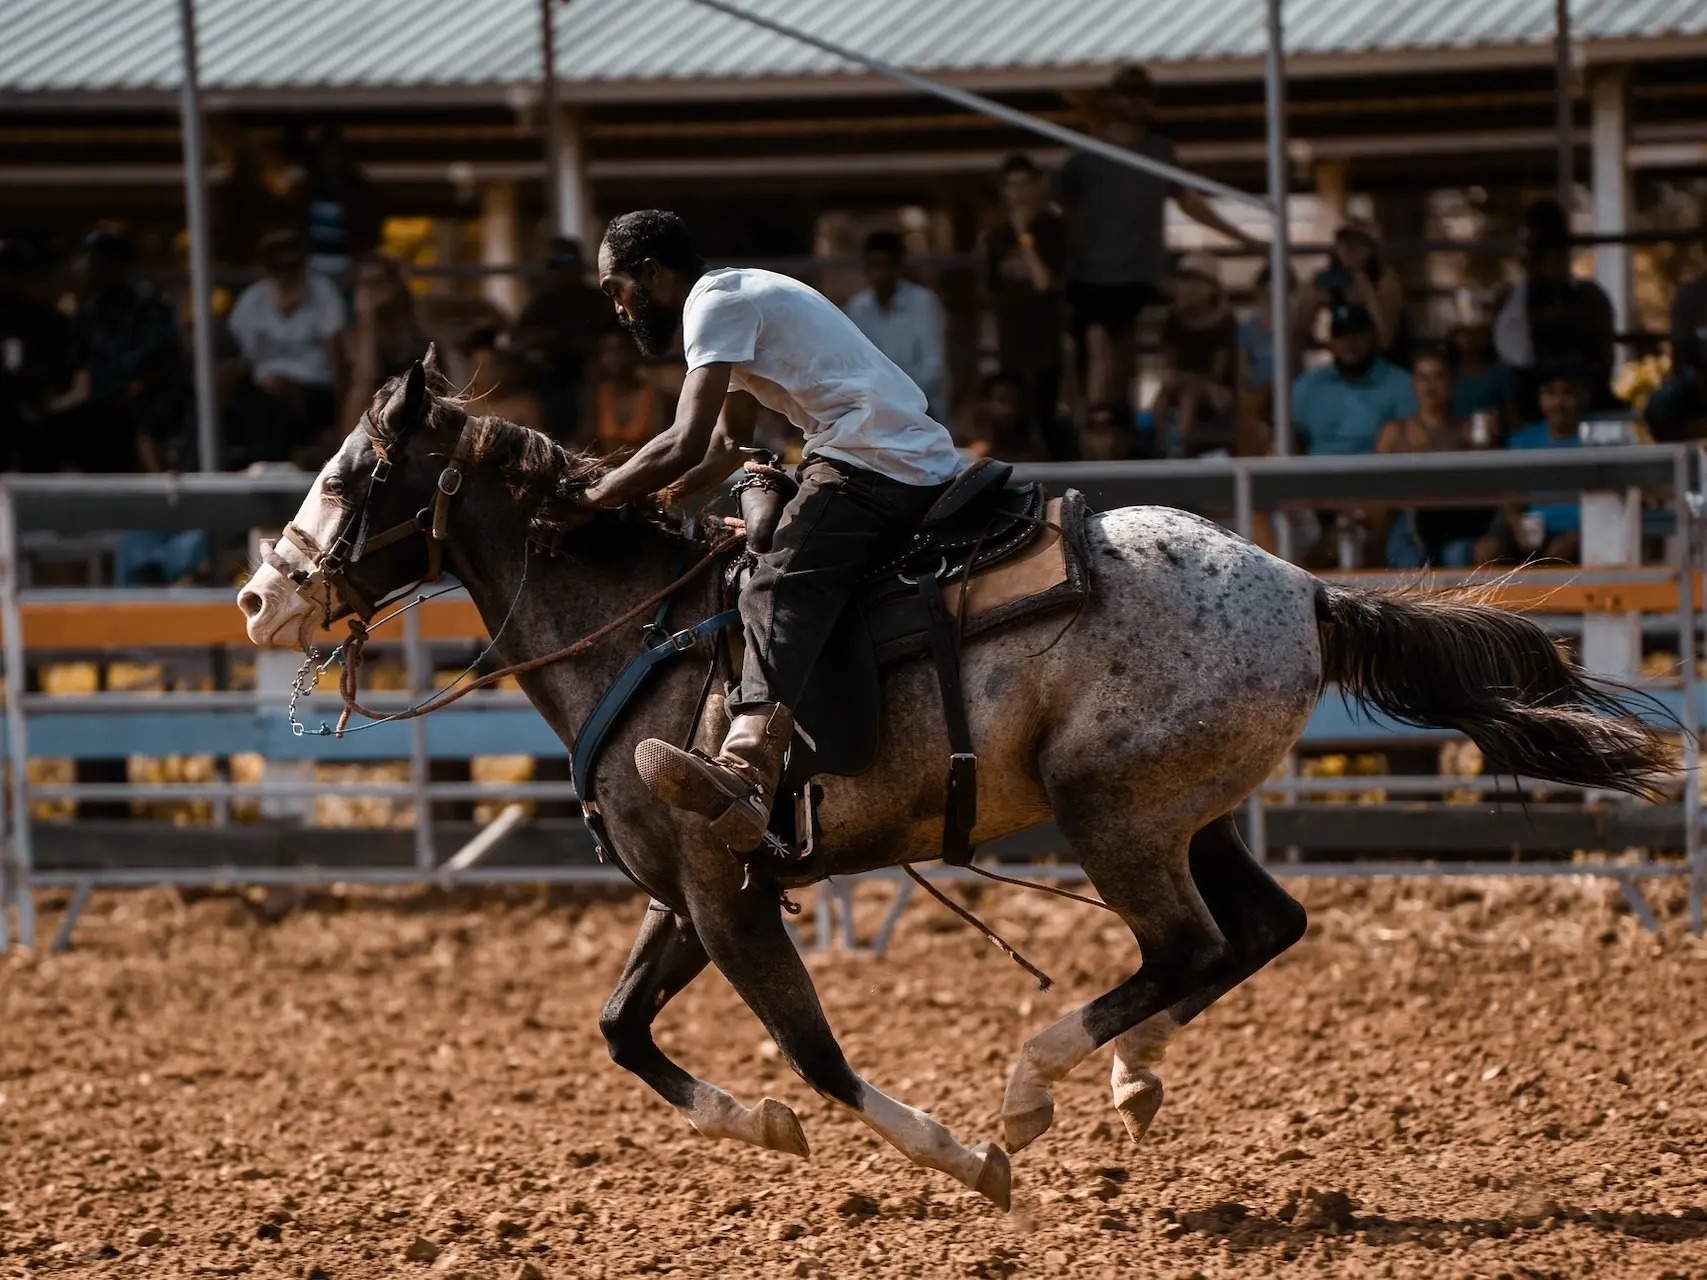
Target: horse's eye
[333,487]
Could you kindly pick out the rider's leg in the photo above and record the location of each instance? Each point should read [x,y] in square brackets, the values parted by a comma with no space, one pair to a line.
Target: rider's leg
[840,524]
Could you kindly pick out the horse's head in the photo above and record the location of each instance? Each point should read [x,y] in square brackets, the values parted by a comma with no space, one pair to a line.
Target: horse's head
[374,521]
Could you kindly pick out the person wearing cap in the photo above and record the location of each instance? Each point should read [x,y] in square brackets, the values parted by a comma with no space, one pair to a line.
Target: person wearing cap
[1199,342]
[1550,529]
[1117,245]
[1552,315]
[1480,383]
[556,333]
[903,320]
[289,330]
[1356,273]
[126,405]
[1340,407]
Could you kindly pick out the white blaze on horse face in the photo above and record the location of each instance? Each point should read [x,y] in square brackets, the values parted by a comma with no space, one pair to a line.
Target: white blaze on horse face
[276,614]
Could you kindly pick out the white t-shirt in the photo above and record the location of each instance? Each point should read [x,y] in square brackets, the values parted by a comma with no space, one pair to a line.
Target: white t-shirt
[293,345]
[796,353]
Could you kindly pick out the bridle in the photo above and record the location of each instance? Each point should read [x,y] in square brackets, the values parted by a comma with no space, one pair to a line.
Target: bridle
[329,584]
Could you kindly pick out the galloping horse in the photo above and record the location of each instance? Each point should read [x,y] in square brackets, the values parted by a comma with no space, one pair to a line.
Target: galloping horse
[1139,726]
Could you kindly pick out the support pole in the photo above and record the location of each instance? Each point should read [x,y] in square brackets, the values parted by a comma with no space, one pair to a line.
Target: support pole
[553,115]
[201,265]
[1610,175]
[1563,118]
[996,110]
[1278,248]
[15,858]
[1689,559]
[417,666]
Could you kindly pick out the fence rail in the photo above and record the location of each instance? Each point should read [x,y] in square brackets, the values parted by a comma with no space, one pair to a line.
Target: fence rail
[41,624]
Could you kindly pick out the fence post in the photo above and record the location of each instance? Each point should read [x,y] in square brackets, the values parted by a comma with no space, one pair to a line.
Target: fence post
[417,667]
[15,861]
[1611,535]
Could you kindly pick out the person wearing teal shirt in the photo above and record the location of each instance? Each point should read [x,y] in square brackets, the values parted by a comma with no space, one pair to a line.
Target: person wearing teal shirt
[1564,395]
[1340,408]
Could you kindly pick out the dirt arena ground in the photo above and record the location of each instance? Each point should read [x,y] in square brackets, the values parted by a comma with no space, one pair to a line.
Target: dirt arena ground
[1486,1079]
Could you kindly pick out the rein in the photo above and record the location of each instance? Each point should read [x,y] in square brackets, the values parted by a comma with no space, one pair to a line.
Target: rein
[350,651]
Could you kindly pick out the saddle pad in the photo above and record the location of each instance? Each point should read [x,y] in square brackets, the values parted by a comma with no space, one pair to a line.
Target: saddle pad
[1046,575]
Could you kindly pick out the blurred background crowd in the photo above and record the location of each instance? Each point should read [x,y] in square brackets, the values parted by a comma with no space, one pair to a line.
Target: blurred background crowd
[1071,309]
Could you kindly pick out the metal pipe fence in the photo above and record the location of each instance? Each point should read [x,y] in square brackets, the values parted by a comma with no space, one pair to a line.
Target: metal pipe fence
[1235,489]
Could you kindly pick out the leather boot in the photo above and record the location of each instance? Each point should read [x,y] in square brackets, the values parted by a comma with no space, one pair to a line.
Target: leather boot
[736,788]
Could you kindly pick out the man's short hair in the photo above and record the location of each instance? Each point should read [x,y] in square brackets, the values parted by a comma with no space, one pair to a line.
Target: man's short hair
[285,246]
[1546,225]
[654,234]
[1019,162]
[1561,369]
[1349,318]
[887,242]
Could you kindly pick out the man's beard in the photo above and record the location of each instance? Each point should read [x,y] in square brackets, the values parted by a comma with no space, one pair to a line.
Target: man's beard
[650,325]
[1355,369]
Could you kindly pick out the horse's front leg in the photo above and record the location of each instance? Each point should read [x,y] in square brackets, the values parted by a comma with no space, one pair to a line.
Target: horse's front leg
[745,936]
[667,956]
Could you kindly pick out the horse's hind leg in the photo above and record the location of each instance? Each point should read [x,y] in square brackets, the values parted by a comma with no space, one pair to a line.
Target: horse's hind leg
[746,938]
[1258,918]
[667,956]
[1146,877]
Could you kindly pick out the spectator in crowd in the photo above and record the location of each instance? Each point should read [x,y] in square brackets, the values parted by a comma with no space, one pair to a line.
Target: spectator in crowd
[556,333]
[1677,410]
[1551,316]
[1480,383]
[1340,407]
[1551,530]
[624,409]
[1356,274]
[387,336]
[1199,347]
[289,328]
[903,320]
[34,345]
[1002,422]
[1256,370]
[340,206]
[495,386]
[1024,258]
[1117,250]
[126,406]
[1429,536]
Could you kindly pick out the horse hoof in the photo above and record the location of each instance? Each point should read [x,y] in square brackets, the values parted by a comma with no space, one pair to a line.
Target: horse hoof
[781,1129]
[1138,1100]
[995,1175]
[1020,1128]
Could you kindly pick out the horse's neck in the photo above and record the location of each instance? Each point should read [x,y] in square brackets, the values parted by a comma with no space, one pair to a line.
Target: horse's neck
[534,605]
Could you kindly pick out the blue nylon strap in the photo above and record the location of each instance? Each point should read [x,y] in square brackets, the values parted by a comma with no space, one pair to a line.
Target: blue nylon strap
[615,700]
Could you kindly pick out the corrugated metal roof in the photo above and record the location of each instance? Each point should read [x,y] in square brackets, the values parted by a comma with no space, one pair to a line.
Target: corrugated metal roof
[115,45]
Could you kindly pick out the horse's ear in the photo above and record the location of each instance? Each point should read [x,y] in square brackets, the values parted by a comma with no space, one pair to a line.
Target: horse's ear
[407,403]
[430,365]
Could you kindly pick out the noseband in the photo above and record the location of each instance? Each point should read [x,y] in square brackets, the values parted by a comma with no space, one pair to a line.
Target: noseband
[329,584]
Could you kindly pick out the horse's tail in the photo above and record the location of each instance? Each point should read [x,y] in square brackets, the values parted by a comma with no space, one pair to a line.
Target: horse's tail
[1449,662]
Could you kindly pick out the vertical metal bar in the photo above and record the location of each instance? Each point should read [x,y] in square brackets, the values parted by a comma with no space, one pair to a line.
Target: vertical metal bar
[1280,297]
[16,860]
[1563,114]
[201,257]
[1256,823]
[415,661]
[1689,554]
[553,116]
[1244,518]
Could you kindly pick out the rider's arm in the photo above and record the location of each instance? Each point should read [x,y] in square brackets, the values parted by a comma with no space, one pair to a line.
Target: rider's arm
[734,431]
[668,457]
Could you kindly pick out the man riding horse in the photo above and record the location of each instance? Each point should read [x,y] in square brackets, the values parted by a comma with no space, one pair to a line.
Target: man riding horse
[874,463]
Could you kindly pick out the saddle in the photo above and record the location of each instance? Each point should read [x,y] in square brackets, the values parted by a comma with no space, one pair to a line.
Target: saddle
[986,555]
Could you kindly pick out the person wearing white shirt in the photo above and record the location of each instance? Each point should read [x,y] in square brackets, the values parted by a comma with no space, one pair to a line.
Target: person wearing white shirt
[289,328]
[874,461]
[903,320]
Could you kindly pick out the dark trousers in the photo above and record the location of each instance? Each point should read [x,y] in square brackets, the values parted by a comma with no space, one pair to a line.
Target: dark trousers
[841,525]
